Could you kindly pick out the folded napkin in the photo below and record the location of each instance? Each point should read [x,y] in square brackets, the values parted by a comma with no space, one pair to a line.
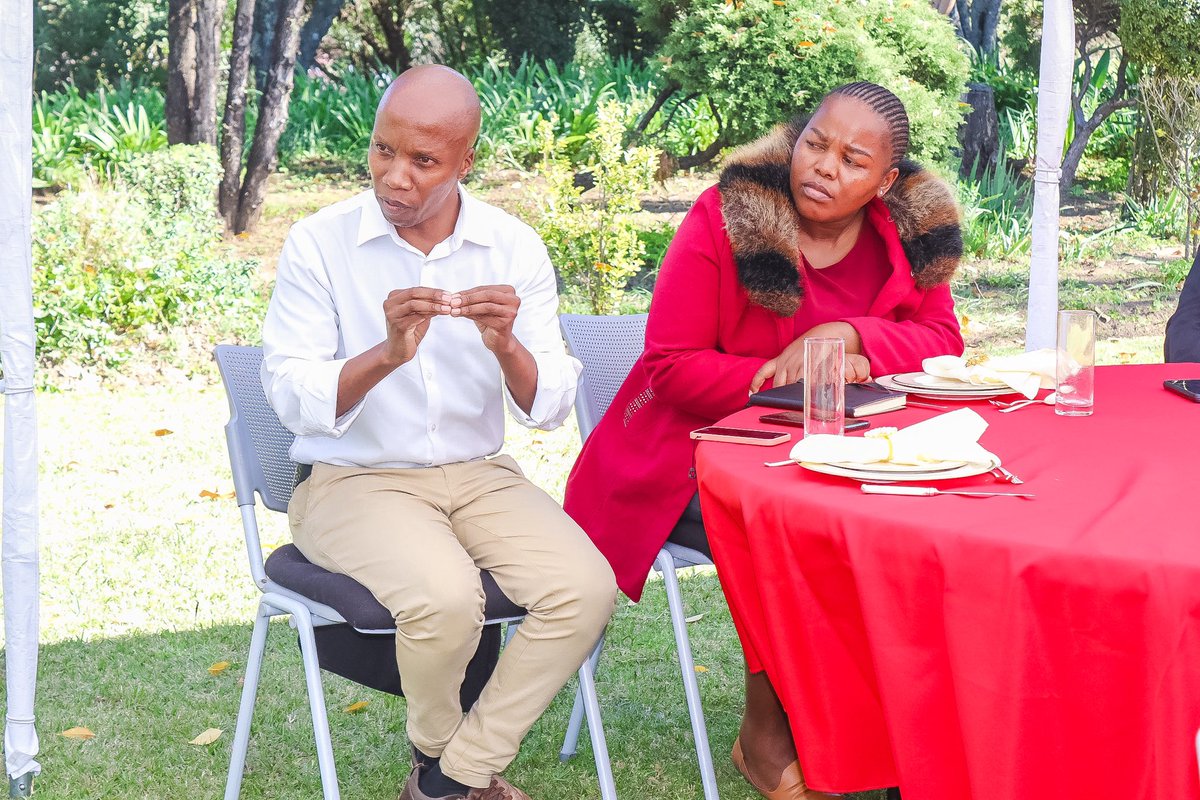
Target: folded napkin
[947,437]
[1026,373]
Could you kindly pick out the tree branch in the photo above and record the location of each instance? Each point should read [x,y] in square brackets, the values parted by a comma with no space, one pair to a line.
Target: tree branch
[663,96]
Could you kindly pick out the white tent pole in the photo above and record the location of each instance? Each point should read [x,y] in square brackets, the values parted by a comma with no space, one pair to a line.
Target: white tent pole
[1054,104]
[19,550]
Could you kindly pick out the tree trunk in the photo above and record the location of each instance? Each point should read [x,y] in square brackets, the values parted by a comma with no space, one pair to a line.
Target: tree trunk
[979,134]
[977,21]
[272,116]
[391,16]
[266,18]
[208,38]
[1084,128]
[193,31]
[181,70]
[233,124]
[323,14]
[703,157]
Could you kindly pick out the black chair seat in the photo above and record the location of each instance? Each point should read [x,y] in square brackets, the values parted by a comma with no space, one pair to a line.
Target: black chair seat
[288,567]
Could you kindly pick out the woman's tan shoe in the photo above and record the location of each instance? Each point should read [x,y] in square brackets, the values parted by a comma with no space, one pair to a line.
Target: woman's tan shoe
[791,782]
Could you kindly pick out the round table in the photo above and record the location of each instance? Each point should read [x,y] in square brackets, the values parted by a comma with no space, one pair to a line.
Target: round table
[982,647]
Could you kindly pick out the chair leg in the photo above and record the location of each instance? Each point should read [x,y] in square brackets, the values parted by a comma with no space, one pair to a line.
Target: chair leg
[571,738]
[241,735]
[316,703]
[510,630]
[687,668]
[591,703]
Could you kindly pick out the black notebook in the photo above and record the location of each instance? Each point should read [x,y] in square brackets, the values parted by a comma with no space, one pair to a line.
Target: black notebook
[862,399]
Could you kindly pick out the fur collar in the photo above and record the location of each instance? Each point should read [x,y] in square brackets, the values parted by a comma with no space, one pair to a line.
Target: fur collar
[763,226]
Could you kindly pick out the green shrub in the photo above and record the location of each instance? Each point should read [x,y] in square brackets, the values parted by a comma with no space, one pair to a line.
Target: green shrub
[1162,35]
[543,30]
[997,213]
[89,43]
[335,118]
[77,136]
[118,268]
[763,61]
[594,242]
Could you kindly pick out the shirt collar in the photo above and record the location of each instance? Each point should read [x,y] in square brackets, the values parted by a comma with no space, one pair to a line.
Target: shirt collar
[471,224]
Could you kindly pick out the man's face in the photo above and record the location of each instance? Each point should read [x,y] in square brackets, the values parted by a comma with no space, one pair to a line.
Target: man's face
[841,160]
[416,165]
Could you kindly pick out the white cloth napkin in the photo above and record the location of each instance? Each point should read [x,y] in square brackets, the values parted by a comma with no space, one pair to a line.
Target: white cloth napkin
[953,436]
[1026,372]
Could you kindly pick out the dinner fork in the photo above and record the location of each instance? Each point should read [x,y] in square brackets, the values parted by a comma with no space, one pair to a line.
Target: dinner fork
[1017,405]
[1005,475]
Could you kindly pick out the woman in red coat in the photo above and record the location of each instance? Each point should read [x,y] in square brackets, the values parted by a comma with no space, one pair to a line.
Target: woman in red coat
[815,230]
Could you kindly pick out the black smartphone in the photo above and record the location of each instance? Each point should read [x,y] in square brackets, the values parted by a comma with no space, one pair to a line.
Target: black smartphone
[796,420]
[1188,388]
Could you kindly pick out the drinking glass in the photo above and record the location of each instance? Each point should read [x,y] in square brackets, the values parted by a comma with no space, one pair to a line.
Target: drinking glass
[824,386]
[1076,363]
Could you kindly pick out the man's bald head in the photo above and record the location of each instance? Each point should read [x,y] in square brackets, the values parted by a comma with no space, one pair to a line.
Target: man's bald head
[435,97]
[422,146]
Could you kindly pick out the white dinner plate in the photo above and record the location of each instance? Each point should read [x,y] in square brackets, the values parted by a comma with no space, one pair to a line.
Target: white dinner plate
[907,469]
[981,393]
[923,381]
[965,471]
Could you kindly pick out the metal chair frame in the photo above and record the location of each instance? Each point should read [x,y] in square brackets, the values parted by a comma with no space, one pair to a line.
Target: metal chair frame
[608,348]
[258,454]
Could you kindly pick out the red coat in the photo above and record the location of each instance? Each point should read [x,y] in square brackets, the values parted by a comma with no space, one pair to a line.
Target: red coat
[635,474]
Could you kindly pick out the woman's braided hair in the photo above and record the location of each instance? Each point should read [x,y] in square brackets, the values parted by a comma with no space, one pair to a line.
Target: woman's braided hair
[886,105]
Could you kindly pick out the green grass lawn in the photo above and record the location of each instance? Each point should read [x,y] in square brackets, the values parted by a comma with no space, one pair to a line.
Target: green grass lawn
[144,586]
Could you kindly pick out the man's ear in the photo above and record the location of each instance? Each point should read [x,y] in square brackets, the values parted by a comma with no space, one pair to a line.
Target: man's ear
[468,162]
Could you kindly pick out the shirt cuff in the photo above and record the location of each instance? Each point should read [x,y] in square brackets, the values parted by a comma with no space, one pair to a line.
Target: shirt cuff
[558,378]
[318,401]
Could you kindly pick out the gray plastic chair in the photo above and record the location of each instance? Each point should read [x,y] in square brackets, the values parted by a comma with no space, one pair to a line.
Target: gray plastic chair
[608,348]
[258,453]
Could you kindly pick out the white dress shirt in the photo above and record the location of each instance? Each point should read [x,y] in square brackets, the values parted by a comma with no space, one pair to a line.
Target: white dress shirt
[336,269]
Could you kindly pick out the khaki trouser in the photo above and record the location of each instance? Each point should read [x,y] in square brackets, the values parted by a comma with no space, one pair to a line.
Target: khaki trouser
[417,539]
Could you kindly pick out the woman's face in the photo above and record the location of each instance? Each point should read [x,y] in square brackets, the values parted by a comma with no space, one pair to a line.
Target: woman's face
[842,159]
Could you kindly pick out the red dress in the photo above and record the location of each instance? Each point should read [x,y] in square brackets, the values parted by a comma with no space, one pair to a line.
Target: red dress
[705,339]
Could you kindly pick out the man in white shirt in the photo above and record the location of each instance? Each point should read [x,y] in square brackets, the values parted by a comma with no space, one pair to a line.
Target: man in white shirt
[403,321]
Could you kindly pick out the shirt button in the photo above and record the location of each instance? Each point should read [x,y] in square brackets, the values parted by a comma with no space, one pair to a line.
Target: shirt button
[432,428]
[429,374]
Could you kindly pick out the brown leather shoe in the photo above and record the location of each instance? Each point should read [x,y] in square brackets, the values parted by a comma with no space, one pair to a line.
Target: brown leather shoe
[501,789]
[791,782]
[498,789]
[412,791]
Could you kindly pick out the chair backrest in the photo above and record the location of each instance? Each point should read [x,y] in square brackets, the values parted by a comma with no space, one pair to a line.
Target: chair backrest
[258,442]
[608,348]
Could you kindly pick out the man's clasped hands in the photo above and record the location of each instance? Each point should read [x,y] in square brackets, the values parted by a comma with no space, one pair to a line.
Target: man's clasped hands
[408,312]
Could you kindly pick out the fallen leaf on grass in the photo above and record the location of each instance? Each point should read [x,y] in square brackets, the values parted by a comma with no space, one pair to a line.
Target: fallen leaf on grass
[699,668]
[208,737]
[218,668]
[211,495]
[77,733]
[354,708]
[696,618]
[1126,358]
[71,465]
[109,505]
[163,432]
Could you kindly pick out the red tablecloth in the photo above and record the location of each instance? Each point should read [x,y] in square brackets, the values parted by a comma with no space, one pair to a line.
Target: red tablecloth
[993,648]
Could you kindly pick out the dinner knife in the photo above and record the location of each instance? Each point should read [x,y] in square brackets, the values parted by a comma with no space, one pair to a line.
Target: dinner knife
[929,491]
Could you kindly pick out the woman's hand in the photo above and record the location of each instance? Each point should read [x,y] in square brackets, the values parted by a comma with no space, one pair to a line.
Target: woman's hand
[858,369]
[788,367]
